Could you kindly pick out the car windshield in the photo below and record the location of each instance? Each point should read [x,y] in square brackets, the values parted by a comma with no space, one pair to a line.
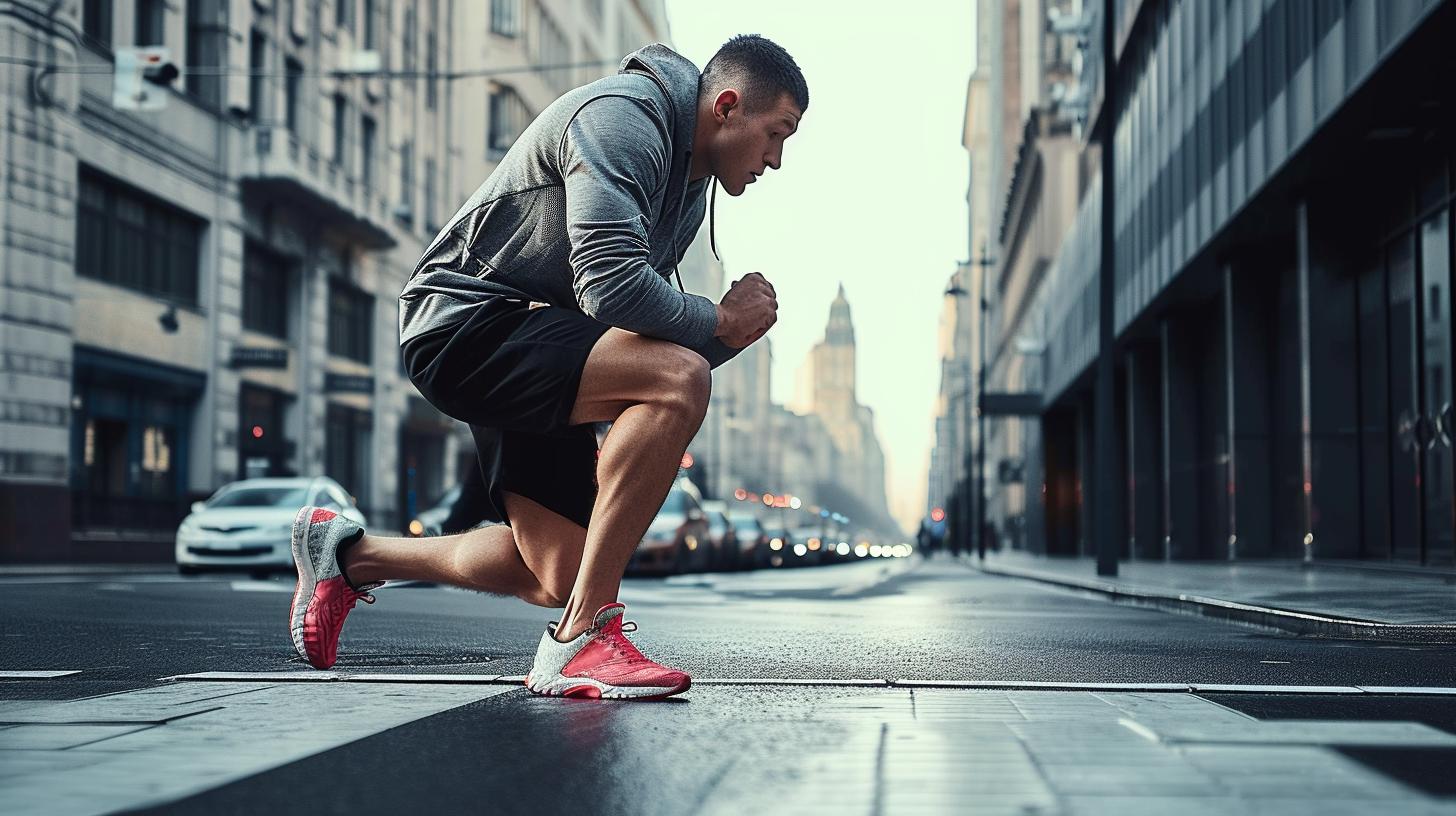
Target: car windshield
[261,497]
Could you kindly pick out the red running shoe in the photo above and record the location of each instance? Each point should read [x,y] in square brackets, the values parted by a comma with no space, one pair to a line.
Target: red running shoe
[601,662]
[323,598]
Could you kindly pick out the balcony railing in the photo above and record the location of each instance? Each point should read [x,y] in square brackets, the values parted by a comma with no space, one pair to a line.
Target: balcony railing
[278,166]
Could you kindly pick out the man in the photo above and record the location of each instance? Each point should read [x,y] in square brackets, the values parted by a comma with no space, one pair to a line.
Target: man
[586,217]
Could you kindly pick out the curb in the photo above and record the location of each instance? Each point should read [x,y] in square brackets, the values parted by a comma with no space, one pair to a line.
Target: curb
[1287,620]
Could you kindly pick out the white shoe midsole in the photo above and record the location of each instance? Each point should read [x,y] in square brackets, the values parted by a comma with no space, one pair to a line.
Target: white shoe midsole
[557,685]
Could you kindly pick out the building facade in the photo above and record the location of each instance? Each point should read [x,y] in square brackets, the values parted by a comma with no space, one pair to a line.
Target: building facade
[208,292]
[1283,198]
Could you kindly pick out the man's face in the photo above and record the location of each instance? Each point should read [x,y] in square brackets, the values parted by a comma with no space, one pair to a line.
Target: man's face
[747,144]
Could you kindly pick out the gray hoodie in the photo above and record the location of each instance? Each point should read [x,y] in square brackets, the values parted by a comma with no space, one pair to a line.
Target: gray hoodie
[591,209]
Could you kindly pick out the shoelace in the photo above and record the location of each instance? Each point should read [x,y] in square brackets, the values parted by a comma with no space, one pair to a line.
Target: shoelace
[621,645]
[352,596]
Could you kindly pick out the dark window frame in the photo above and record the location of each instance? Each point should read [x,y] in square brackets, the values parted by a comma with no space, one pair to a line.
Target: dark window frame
[292,93]
[505,18]
[97,22]
[351,321]
[267,291]
[130,239]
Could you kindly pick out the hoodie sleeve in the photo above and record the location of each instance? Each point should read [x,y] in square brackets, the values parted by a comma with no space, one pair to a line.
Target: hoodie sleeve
[615,165]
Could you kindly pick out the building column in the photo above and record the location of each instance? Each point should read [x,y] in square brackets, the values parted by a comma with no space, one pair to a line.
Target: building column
[1144,452]
[1246,334]
[1182,524]
[37,275]
[1331,393]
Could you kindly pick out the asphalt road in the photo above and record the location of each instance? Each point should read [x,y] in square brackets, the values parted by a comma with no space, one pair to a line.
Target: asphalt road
[898,619]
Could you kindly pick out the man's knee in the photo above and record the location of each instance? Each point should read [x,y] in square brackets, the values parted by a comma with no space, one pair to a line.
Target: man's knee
[686,382]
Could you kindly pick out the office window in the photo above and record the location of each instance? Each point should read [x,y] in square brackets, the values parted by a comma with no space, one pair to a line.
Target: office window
[508,117]
[341,125]
[265,291]
[370,43]
[351,321]
[552,49]
[292,89]
[150,16]
[344,15]
[432,66]
[207,32]
[406,182]
[96,22]
[127,238]
[505,17]
[368,134]
[346,448]
[428,194]
[257,66]
[407,52]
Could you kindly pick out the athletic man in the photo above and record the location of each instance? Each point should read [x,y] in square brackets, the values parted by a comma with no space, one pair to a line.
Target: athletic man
[545,307]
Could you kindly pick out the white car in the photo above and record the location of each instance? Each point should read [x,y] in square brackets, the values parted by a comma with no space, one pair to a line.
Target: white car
[247,525]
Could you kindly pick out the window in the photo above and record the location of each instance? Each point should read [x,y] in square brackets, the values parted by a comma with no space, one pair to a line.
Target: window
[292,87]
[431,225]
[265,291]
[96,22]
[257,66]
[505,17]
[369,34]
[129,239]
[351,320]
[207,32]
[508,117]
[341,124]
[407,53]
[431,62]
[346,449]
[344,15]
[552,50]
[406,211]
[150,17]
[368,133]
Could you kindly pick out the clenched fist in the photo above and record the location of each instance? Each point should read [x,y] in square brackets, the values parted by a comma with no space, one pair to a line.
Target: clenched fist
[747,311]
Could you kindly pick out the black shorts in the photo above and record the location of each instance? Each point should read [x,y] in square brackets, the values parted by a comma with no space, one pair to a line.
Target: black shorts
[511,373]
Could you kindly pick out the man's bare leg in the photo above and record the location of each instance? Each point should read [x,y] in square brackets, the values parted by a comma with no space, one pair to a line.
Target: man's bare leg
[535,559]
[656,393]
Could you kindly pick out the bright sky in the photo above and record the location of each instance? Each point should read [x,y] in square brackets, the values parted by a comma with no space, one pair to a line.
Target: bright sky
[871,194]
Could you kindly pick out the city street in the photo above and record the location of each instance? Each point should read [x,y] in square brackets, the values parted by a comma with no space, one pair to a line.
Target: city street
[888,686]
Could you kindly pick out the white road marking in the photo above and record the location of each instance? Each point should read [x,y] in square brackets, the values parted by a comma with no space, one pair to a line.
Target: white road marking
[36,675]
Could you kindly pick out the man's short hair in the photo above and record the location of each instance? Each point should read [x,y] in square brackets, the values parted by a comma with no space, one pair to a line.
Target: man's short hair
[758,67]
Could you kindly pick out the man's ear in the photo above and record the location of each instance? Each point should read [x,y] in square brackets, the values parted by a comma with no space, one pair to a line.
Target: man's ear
[727,100]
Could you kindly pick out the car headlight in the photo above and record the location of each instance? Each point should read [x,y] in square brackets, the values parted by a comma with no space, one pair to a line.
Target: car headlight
[416,528]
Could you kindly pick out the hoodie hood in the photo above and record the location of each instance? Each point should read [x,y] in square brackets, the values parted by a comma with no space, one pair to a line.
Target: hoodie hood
[678,77]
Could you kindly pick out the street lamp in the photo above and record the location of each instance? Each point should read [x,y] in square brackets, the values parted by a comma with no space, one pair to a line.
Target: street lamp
[978,513]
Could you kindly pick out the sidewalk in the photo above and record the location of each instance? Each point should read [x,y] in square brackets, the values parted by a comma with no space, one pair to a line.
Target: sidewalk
[397,745]
[1343,599]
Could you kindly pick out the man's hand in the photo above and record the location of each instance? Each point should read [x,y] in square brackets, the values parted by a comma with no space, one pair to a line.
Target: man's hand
[747,311]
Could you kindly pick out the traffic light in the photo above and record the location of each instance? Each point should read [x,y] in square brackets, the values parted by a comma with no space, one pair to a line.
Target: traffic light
[141,78]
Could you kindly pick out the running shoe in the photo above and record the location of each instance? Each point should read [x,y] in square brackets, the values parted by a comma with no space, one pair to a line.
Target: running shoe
[601,663]
[322,598]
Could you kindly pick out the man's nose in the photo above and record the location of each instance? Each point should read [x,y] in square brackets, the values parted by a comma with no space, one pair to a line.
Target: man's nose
[774,160]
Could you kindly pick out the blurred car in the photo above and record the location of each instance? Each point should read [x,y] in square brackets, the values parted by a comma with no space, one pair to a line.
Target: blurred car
[677,539]
[779,550]
[430,522]
[247,525]
[807,547]
[752,540]
[722,535]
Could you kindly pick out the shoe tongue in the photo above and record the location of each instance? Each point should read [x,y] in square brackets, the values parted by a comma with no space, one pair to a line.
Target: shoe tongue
[609,615]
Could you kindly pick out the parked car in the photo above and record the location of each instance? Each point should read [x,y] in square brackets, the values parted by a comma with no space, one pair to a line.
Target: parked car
[752,540]
[807,548]
[430,521]
[677,540]
[247,525]
[779,551]
[722,535]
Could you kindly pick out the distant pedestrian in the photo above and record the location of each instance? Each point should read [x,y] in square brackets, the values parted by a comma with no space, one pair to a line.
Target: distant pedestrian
[586,217]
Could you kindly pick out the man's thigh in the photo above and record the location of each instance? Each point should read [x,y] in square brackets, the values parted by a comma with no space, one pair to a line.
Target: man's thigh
[549,543]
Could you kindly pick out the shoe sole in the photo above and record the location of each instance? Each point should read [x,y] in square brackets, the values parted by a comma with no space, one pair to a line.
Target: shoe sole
[588,689]
[306,577]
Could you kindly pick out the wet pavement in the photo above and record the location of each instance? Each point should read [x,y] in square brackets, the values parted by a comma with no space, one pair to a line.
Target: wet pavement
[879,687]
